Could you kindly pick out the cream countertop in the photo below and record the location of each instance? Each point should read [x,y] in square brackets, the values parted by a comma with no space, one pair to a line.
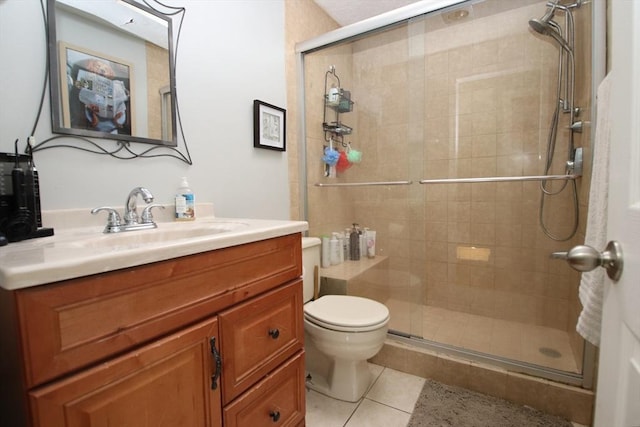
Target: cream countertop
[84,250]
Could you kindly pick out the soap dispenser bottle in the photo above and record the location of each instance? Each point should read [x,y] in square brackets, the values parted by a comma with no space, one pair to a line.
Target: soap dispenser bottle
[185,202]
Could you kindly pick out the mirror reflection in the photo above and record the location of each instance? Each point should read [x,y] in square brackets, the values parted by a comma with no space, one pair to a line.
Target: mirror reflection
[112,71]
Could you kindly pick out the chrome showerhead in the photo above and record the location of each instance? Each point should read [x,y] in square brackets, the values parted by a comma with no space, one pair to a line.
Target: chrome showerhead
[548,27]
[542,25]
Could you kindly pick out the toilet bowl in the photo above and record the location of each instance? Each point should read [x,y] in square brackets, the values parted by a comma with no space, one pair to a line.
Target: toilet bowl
[341,333]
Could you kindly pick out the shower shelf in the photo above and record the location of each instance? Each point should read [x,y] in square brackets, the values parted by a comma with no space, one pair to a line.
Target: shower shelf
[344,104]
[336,101]
[337,128]
[349,270]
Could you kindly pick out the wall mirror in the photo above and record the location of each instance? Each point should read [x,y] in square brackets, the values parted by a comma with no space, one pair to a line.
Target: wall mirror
[112,71]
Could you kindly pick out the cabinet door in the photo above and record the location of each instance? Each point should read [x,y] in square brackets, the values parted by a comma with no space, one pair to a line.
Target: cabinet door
[166,383]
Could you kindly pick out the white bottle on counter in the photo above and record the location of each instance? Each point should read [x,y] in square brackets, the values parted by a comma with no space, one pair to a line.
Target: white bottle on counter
[185,202]
[335,249]
[326,252]
[363,243]
[345,243]
[370,237]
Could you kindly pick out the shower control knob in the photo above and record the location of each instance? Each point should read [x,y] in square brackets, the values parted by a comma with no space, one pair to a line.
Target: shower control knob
[586,258]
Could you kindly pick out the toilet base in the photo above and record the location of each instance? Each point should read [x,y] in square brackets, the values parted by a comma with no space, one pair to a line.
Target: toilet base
[346,380]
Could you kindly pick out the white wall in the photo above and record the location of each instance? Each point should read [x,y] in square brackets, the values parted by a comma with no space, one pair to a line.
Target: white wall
[231,52]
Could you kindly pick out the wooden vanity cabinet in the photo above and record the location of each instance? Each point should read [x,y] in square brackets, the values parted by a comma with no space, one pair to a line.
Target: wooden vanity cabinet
[133,347]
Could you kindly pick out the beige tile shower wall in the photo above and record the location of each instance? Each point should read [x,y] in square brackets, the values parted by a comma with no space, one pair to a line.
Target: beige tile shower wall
[303,20]
[330,209]
[500,84]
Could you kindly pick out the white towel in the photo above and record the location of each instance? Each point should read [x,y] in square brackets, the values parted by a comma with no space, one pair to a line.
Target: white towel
[592,283]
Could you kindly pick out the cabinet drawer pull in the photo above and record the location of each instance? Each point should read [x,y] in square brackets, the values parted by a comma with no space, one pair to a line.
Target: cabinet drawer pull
[275,416]
[274,333]
[218,360]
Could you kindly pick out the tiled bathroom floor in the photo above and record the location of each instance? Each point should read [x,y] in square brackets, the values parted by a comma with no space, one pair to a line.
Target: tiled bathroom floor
[388,403]
[528,343]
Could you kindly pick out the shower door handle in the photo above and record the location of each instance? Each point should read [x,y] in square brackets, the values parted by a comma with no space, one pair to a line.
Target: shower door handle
[586,258]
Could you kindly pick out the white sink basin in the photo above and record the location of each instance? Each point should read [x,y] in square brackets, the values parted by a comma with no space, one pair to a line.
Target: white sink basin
[165,233]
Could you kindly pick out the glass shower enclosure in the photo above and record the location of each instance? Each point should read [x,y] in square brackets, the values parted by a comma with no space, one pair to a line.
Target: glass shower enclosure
[452,112]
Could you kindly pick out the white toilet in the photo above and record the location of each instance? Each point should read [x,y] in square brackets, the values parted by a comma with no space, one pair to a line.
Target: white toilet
[341,333]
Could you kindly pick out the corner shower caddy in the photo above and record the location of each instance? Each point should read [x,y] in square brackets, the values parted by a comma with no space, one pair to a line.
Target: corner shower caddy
[336,101]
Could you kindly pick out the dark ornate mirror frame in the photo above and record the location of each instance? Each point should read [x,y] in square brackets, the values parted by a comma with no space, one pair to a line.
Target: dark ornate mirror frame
[124,147]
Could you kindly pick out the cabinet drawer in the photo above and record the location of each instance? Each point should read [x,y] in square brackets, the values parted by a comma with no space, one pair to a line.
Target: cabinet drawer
[76,323]
[277,400]
[258,335]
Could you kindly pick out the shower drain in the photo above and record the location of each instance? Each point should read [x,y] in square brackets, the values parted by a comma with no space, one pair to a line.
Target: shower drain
[550,352]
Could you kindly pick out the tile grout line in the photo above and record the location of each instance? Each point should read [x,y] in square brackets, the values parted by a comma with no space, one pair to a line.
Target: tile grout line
[389,406]
[364,397]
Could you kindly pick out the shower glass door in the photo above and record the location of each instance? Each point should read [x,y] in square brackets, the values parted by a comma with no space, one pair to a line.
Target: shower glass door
[464,92]
[385,85]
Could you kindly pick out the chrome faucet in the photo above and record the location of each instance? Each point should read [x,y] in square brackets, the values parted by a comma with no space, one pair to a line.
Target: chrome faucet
[131,205]
[115,225]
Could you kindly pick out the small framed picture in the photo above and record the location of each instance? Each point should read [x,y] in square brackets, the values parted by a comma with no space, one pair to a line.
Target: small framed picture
[269,126]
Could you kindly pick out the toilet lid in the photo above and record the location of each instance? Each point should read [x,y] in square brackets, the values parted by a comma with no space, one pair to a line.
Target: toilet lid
[346,313]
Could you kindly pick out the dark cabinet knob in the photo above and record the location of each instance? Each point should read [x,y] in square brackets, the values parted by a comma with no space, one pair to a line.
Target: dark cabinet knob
[274,333]
[275,416]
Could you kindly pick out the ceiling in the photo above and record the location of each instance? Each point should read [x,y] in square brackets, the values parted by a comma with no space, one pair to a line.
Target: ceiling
[346,12]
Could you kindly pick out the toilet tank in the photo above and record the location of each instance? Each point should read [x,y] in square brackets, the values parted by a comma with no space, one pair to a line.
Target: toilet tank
[310,259]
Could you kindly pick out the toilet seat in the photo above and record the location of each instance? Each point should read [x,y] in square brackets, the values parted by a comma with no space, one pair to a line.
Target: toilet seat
[346,313]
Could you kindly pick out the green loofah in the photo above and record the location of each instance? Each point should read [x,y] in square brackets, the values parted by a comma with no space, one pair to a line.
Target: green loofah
[354,156]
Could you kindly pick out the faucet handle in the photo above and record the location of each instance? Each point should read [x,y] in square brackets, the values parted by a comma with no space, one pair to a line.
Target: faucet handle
[147,216]
[113,220]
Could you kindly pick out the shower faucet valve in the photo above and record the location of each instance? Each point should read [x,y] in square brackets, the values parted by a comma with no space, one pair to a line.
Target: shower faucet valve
[574,166]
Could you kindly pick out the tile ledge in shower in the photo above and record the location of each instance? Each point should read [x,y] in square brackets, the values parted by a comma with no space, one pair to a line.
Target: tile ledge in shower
[349,270]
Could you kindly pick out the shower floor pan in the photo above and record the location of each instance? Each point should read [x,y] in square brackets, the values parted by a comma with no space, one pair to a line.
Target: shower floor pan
[533,344]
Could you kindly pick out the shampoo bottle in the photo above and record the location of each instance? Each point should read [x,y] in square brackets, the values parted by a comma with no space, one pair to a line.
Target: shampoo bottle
[371,243]
[346,245]
[185,202]
[326,252]
[335,249]
[363,241]
[354,244]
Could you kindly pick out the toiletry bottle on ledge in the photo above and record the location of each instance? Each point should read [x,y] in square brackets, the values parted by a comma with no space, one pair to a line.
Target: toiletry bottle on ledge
[370,237]
[346,245]
[326,252]
[185,202]
[354,244]
[335,249]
